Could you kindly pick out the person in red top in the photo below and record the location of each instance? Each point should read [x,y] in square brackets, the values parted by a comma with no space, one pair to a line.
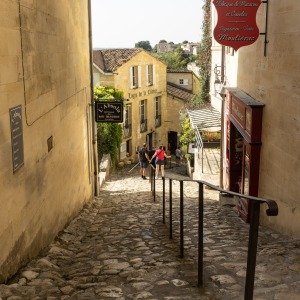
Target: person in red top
[160,155]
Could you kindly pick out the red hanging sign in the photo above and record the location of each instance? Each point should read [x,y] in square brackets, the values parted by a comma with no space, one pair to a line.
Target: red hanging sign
[236,25]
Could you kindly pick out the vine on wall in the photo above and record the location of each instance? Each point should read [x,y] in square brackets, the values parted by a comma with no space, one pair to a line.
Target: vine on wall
[205,54]
[188,134]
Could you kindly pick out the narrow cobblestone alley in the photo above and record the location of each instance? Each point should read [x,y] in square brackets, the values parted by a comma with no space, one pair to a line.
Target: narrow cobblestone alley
[118,248]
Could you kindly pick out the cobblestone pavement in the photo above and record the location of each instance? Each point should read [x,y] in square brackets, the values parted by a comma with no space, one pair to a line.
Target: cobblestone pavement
[118,248]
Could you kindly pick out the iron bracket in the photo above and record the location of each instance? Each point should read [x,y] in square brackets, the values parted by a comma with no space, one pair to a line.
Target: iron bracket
[266,27]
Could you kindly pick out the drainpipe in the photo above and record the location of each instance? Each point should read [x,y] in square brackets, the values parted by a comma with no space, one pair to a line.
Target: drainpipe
[92,105]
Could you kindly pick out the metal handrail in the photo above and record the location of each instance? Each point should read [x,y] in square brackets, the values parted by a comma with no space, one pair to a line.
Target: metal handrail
[272,210]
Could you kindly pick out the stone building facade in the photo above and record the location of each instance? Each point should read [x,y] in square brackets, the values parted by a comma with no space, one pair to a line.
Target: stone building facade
[191,48]
[142,79]
[153,107]
[46,172]
[165,47]
[177,101]
[185,79]
[269,74]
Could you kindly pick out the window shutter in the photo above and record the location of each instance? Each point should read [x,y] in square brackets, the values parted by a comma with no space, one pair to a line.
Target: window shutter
[147,74]
[139,77]
[154,77]
[131,77]
[185,82]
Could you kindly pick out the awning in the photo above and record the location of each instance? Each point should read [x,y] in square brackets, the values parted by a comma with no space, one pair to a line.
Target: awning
[205,119]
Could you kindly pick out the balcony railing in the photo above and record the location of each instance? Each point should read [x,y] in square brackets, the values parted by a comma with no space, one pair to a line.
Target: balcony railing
[272,210]
[158,121]
[143,125]
[127,131]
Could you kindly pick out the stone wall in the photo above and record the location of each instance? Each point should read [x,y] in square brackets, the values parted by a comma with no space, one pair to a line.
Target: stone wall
[44,69]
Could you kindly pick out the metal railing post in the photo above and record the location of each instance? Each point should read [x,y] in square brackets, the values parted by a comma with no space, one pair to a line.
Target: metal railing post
[272,210]
[164,200]
[181,221]
[153,185]
[252,250]
[200,235]
[170,203]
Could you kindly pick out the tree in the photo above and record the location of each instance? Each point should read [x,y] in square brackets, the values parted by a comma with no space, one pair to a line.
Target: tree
[185,42]
[162,41]
[145,45]
[176,60]
[109,135]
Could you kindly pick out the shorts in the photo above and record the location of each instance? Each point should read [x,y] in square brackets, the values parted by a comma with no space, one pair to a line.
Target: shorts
[144,164]
[160,162]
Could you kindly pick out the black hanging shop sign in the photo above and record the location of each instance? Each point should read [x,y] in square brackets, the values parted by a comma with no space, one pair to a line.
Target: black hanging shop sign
[109,112]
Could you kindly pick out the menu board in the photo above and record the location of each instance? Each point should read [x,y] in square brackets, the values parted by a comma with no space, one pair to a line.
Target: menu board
[16,137]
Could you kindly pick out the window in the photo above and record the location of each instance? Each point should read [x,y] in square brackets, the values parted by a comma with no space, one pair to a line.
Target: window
[149,74]
[127,115]
[143,115]
[229,51]
[157,111]
[129,147]
[142,111]
[157,106]
[127,121]
[183,81]
[134,77]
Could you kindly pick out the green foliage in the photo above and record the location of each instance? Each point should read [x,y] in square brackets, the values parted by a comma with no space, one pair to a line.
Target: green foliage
[162,41]
[104,93]
[145,45]
[109,135]
[211,136]
[176,60]
[205,53]
[198,101]
[188,134]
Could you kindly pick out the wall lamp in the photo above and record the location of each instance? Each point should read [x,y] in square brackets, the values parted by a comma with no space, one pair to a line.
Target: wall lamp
[217,85]
[219,79]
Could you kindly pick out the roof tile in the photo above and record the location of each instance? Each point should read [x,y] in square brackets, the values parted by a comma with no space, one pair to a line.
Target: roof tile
[109,60]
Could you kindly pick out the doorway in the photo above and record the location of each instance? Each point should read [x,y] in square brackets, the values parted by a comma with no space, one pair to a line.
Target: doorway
[149,140]
[172,141]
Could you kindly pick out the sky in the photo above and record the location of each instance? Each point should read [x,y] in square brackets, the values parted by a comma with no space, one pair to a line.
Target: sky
[122,23]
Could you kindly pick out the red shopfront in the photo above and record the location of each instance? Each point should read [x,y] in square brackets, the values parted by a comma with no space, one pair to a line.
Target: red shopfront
[243,143]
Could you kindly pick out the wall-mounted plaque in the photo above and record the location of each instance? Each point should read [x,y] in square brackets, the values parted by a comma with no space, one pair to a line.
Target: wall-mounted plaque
[16,137]
[109,112]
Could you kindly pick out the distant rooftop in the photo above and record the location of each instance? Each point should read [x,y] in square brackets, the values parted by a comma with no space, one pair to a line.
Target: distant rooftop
[109,60]
[178,92]
[178,71]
